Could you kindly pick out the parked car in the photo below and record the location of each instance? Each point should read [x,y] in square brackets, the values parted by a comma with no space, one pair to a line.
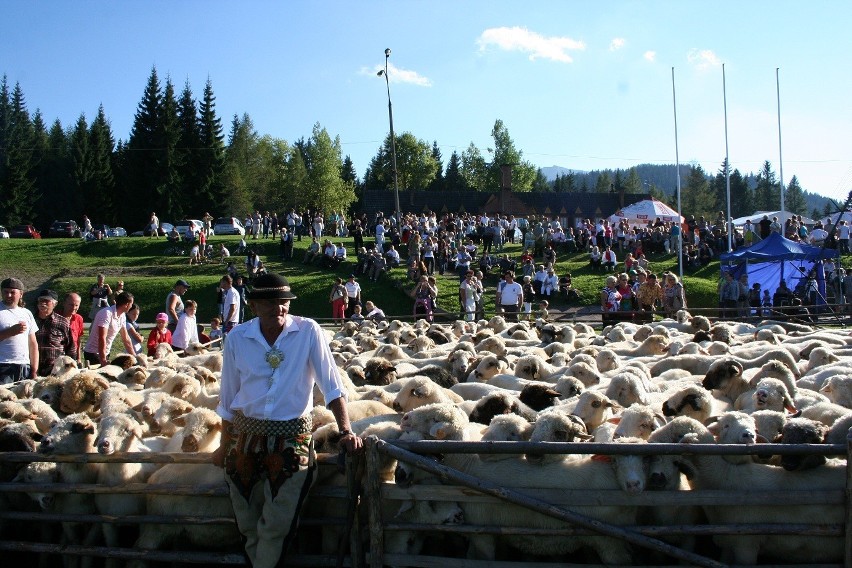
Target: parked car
[4,234]
[228,226]
[146,232]
[24,232]
[117,232]
[194,224]
[64,229]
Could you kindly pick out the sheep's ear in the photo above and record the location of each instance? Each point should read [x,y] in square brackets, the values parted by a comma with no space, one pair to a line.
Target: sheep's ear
[103,382]
[614,420]
[693,401]
[137,431]
[602,458]
[583,436]
[789,406]
[760,439]
[179,420]
[686,468]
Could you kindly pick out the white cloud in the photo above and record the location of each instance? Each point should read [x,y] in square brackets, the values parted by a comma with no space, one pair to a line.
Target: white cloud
[398,75]
[536,45]
[617,43]
[703,59]
[650,56]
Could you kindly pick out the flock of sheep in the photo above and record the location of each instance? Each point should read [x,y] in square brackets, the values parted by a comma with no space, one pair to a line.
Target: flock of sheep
[676,381]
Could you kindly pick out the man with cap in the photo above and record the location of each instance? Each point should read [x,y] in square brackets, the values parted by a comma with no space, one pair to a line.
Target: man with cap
[18,346]
[54,333]
[174,303]
[109,323]
[270,367]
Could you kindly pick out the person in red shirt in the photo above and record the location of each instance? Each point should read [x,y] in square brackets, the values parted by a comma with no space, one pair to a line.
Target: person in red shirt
[70,306]
[159,334]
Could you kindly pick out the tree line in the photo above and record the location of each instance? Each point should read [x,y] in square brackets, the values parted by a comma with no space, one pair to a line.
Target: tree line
[177,163]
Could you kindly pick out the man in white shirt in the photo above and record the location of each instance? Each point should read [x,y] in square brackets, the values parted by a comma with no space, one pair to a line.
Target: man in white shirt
[511,296]
[18,346]
[270,367]
[392,257]
[108,324]
[230,304]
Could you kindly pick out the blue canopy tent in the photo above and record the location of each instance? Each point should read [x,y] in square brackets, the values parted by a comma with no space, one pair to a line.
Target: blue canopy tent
[776,258]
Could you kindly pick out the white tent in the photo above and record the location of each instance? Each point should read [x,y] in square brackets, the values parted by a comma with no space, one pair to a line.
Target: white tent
[642,212]
[757,216]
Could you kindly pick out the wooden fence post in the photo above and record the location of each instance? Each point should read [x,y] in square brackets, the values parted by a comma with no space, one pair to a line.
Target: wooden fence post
[374,503]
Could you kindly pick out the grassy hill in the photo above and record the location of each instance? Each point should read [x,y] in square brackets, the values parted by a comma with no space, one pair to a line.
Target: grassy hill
[72,265]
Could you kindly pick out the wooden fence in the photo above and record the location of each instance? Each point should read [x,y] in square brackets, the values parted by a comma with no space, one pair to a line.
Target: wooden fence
[335,500]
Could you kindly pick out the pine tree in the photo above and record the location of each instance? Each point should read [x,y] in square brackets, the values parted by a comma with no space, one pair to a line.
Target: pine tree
[541,185]
[17,185]
[188,152]
[53,175]
[141,175]
[101,199]
[437,183]
[169,166]
[633,183]
[696,199]
[210,160]
[604,183]
[453,179]
[241,173]
[742,198]
[81,165]
[794,197]
[767,193]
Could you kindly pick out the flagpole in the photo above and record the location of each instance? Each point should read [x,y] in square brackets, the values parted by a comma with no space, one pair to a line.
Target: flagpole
[727,159]
[780,160]
[677,169]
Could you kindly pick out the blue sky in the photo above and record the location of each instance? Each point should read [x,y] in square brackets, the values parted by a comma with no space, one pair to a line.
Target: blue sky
[584,85]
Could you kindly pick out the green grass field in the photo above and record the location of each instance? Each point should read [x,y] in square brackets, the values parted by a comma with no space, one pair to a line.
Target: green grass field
[72,265]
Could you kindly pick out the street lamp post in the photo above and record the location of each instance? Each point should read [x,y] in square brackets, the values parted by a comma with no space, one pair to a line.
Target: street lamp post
[393,142]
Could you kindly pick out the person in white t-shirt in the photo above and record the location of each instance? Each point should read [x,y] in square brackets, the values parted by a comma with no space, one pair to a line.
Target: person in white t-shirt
[511,296]
[230,304]
[19,356]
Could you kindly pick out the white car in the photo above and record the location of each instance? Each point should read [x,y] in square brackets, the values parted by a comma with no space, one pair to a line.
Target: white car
[229,226]
[4,234]
[194,224]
